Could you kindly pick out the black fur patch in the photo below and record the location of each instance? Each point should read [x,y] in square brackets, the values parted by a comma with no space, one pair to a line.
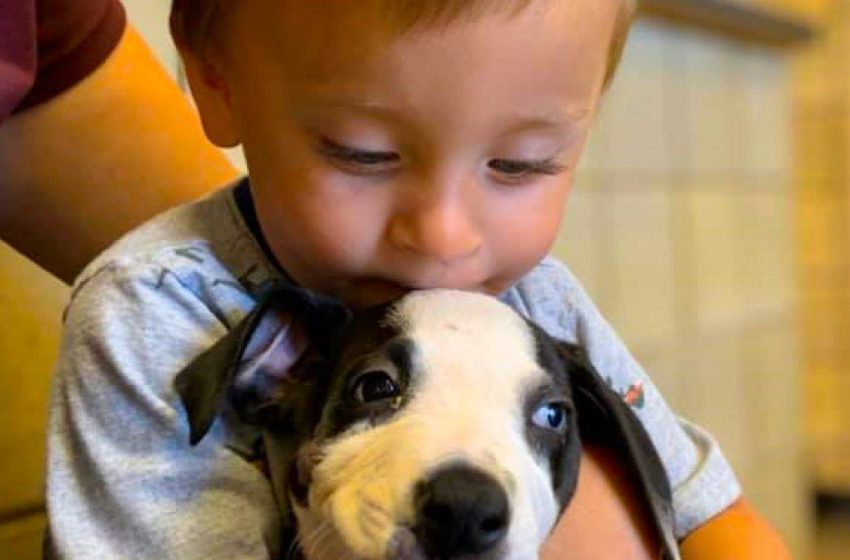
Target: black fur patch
[563,452]
[369,343]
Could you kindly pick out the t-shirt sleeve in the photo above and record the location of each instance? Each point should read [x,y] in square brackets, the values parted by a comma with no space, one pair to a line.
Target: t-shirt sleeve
[702,480]
[123,480]
[74,37]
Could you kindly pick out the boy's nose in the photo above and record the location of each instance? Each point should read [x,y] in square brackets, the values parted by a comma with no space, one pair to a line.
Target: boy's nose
[445,231]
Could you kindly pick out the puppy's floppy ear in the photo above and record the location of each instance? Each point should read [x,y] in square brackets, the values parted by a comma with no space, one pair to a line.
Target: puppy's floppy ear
[251,360]
[602,413]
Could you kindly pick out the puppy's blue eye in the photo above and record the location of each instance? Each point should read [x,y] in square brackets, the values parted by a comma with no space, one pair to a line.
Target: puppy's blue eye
[374,386]
[550,416]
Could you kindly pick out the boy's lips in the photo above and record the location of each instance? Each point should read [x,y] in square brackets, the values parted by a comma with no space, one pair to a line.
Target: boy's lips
[367,292]
[384,288]
[391,289]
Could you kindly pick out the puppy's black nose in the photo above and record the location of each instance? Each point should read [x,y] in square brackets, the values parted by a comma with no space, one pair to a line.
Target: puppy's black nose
[459,510]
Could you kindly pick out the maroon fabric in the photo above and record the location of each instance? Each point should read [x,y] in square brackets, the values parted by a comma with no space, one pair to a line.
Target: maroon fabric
[47,46]
[17,52]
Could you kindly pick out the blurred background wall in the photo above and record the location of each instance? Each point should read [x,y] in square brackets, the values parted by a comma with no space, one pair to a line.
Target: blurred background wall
[708,221]
[681,226]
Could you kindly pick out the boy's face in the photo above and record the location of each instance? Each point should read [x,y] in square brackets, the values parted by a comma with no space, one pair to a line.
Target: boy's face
[383,161]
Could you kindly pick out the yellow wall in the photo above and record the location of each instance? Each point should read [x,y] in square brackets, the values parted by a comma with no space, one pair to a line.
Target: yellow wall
[814,10]
[31,303]
[822,126]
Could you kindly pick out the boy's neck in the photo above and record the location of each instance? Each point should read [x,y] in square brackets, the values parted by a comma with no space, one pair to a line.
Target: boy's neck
[245,204]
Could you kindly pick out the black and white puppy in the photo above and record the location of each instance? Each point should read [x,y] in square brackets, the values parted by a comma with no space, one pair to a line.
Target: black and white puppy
[440,426]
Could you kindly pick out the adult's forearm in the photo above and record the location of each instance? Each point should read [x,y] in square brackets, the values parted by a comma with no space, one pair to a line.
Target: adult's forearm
[606,519]
[84,168]
[738,532]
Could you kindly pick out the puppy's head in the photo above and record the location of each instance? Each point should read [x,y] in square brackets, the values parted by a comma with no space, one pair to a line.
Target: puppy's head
[443,425]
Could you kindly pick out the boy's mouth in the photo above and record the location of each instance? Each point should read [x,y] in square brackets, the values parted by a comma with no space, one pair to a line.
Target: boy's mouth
[373,290]
[378,290]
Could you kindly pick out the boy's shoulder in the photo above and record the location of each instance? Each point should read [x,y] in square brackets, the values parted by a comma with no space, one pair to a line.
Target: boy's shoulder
[549,276]
[209,232]
[203,246]
[551,296]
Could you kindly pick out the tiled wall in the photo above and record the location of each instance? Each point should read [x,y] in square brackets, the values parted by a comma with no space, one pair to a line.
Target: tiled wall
[682,227]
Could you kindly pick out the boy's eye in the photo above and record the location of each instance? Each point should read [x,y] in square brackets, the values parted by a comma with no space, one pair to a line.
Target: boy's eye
[358,160]
[514,169]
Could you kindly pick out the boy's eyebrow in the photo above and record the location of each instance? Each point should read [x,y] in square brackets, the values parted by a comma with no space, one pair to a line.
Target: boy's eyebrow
[374,108]
[521,121]
[531,120]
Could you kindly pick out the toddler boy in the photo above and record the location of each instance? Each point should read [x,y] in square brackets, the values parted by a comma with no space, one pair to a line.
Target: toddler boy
[392,146]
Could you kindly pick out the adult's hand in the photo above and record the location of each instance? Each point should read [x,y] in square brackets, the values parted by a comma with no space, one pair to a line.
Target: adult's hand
[606,520]
[82,169]
[739,532]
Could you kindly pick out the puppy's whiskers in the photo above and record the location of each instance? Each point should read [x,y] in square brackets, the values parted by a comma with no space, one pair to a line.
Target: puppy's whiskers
[294,547]
[316,541]
[372,518]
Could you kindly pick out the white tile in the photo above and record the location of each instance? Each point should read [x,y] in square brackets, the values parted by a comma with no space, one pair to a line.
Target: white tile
[150,17]
[713,103]
[766,227]
[642,281]
[718,291]
[630,131]
[578,237]
[777,370]
[676,98]
[769,111]
[665,368]
[593,160]
[786,501]
[716,397]
[237,158]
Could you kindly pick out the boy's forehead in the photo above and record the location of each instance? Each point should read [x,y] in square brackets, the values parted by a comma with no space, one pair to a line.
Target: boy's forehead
[313,37]
[394,16]
[343,70]
[333,38]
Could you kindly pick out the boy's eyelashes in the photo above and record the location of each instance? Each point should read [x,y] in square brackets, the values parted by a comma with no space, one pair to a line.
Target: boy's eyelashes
[519,169]
[373,161]
[348,154]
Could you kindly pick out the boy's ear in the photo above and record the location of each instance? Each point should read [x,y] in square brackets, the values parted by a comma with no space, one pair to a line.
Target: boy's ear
[603,414]
[212,95]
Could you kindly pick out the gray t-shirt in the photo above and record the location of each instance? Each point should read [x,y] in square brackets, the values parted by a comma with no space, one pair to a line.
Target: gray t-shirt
[123,481]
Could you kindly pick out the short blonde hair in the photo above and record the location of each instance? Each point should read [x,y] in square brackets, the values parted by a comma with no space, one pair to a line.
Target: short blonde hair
[194,22]
[621,32]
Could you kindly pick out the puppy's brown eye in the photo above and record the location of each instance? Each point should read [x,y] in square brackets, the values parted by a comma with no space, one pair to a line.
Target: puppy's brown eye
[374,386]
